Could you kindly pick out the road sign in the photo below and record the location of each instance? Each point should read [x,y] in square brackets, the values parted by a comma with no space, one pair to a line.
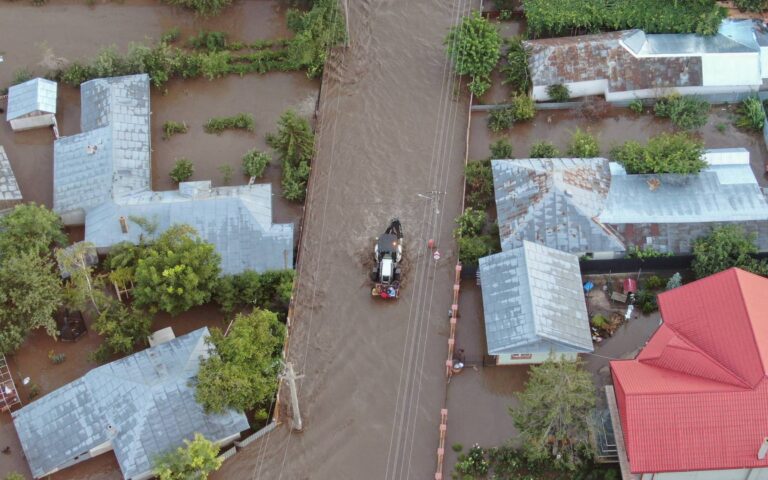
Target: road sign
[436,255]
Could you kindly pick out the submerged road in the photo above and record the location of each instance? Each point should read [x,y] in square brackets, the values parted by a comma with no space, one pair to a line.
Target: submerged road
[391,140]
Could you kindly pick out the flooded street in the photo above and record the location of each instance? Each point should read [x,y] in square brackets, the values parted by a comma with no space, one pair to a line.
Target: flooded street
[389,130]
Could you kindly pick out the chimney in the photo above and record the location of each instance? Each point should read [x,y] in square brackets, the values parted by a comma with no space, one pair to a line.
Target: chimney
[111,431]
[123,224]
[763,449]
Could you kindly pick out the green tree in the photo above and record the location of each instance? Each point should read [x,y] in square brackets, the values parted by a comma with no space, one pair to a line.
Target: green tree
[30,227]
[474,46]
[123,328]
[255,162]
[270,290]
[470,223]
[315,32]
[195,461]
[516,73]
[82,287]
[182,170]
[479,178]
[727,246]
[553,413]
[583,145]
[241,371]
[202,7]
[30,295]
[294,144]
[544,150]
[176,272]
[665,153]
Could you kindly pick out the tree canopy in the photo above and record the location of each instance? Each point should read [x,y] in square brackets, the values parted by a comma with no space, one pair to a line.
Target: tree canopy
[294,143]
[195,461]
[553,413]
[474,46]
[727,246]
[30,227]
[241,371]
[665,153]
[176,272]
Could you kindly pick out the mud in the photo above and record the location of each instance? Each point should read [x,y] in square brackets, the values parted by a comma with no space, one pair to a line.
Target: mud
[614,127]
[390,129]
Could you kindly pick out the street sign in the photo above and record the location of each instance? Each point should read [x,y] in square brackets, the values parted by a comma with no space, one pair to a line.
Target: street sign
[436,255]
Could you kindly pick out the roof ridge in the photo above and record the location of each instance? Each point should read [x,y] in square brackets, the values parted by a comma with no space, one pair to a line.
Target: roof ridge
[736,271]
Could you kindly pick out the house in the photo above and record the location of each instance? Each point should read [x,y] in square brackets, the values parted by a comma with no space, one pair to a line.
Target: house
[632,64]
[102,180]
[533,305]
[692,404]
[140,406]
[32,104]
[593,206]
[10,195]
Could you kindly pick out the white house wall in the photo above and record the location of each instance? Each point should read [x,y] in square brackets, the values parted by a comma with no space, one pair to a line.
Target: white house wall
[733,69]
[656,93]
[533,358]
[577,89]
[34,121]
[764,61]
[739,474]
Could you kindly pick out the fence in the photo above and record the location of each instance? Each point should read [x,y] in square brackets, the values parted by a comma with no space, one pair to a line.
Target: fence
[257,435]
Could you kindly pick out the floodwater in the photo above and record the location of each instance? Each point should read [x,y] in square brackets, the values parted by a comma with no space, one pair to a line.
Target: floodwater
[614,126]
[390,129]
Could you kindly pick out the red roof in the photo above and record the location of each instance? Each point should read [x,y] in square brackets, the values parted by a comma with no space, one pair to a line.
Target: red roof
[696,397]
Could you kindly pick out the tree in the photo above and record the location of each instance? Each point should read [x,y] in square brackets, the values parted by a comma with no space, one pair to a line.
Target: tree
[176,272]
[30,227]
[255,162]
[675,281]
[553,413]
[122,328]
[195,461]
[479,178]
[474,46]
[315,32]
[583,145]
[82,288]
[516,73]
[242,368]
[202,7]
[665,153]
[30,295]
[727,246]
[294,143]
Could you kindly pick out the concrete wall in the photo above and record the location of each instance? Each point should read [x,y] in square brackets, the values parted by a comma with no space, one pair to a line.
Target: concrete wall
[32,121]
[577,89]
[738,474]
[728,70]
[533,358]
[713,94]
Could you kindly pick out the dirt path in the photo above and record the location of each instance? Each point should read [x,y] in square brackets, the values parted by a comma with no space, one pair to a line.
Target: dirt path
[391,129]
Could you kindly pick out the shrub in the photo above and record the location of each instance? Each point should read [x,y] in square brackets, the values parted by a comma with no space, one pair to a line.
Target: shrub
[516,73]
[470,223]
[646,301]
[270,290]
[599,321]
[195,461]
[583,145]
[255,162]
[182,170]
[171,128]
[209,41]
[654,282]
[751,5]
[646,252]
[501,118]
[202,7]
[171,35]
[686,112]
[751,115]
[226,173]
[241,121]
[675,281]
[294,143]
[636,106]
[479,178]
[123,328]
[544,150]
[501,149]
[666,153]
[473,463]
[20,76]
[559,92]
[474,46]
[523,108]
[725,247]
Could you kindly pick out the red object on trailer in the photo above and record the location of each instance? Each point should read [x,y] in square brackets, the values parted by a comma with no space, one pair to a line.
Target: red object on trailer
[630,286]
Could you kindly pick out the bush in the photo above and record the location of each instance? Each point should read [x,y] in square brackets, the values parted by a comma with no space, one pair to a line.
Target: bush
[686,112]
[725,247]
[646,301]
[30,228]
[646,252]
[523,108]
[751,5]
[666,153]
[241,121]
[675,281]
[501,149]
[171,35]
[470,223]
[123,329]
[473,463]
[655,282]
[501,118]
[636,106]
[599,321]
[479,178]
[474,46]
[559,92]
[20,76]
[516,73]
[202,7]
[171,128]
[182,170]
[583,145]
[544,150]
[270,290]
[209,41]
[294,143]
[195,461]
[255,162]
[751,115]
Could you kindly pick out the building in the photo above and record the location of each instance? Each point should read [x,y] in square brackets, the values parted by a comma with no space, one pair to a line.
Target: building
[102,180]
[32,104]
[140,406]
[592,206]
[631,64]
[692,404]
[10,194]
[534,305]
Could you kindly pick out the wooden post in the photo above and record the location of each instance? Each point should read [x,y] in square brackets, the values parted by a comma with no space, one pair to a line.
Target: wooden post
[290,375]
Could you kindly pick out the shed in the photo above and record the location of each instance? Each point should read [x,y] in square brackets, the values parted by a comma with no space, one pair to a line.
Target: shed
[32,104]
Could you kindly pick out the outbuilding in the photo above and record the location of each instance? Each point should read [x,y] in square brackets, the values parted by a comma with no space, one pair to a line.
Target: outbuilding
[32,104]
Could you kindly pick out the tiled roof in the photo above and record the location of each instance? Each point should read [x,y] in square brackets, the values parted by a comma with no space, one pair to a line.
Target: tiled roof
[36,95]
[147,399]
[533,302]
[695,397]
[9,188]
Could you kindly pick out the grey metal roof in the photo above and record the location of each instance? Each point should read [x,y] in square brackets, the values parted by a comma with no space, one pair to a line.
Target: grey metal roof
[533,302]
[236,220]
[147,398]
[36,95]
[9,188]
[734,36]
[553,202]
[111,157]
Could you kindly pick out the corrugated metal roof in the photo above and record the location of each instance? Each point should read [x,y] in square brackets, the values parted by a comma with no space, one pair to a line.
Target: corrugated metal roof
[147,398]
[236,220]
[734,36]
[695,397]
[533,302]
[9,188]
[32,96]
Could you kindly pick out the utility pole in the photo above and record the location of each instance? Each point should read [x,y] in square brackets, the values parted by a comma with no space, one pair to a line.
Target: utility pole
[291,377]
[346,21]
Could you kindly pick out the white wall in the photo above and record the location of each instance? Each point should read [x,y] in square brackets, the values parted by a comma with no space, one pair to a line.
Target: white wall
[656,93]
[733,69]
[34,121]
[535,358]
[738,474]
[577,89]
